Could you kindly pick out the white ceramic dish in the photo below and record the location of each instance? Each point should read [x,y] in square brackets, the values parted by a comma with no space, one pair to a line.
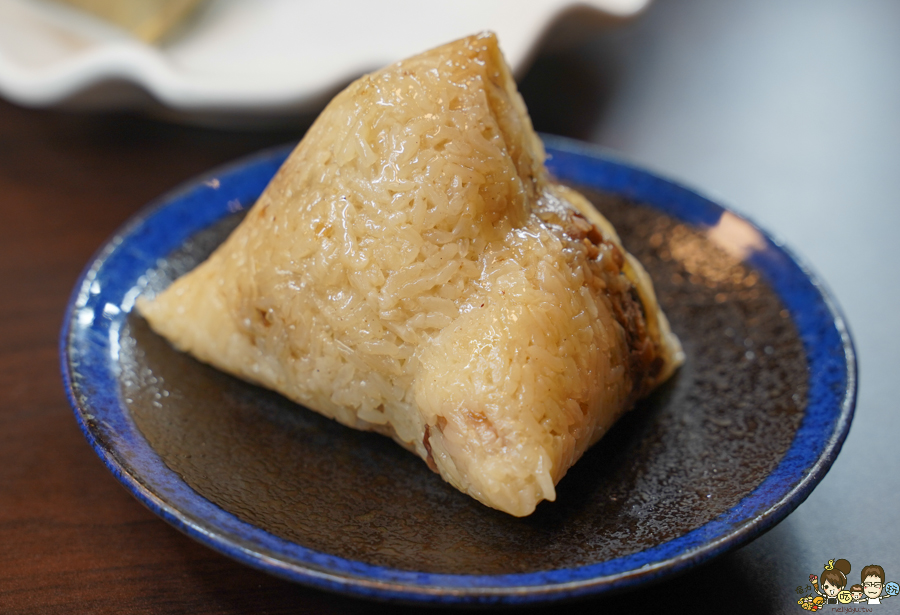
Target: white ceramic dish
[249,57]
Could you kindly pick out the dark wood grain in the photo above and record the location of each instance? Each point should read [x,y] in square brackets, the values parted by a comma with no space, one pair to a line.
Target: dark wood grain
[787,109]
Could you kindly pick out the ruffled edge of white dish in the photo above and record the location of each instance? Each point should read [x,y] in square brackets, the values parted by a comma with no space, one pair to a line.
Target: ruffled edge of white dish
[250,57]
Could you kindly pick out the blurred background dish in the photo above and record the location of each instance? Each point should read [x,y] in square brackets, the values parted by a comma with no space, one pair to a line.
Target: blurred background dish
[251,61]
[149,20]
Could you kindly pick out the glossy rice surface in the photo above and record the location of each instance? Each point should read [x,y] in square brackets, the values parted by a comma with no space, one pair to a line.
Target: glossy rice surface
[412,270]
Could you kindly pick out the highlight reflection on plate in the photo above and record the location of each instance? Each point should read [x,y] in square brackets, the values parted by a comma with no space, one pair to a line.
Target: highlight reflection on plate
[733,443]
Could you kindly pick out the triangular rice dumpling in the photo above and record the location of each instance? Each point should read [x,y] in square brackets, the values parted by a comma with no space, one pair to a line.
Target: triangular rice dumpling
[412,270]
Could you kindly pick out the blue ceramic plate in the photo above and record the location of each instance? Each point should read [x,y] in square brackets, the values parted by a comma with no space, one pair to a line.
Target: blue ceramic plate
[725,450]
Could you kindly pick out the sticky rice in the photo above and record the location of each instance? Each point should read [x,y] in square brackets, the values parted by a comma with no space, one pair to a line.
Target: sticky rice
[413,270]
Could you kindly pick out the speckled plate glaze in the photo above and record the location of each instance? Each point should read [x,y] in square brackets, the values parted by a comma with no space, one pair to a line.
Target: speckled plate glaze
[725,450]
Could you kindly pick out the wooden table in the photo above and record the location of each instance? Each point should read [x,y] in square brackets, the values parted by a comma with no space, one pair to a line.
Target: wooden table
[787,110]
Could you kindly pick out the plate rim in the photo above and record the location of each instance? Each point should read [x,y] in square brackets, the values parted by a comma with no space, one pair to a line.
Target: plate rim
[372,581]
